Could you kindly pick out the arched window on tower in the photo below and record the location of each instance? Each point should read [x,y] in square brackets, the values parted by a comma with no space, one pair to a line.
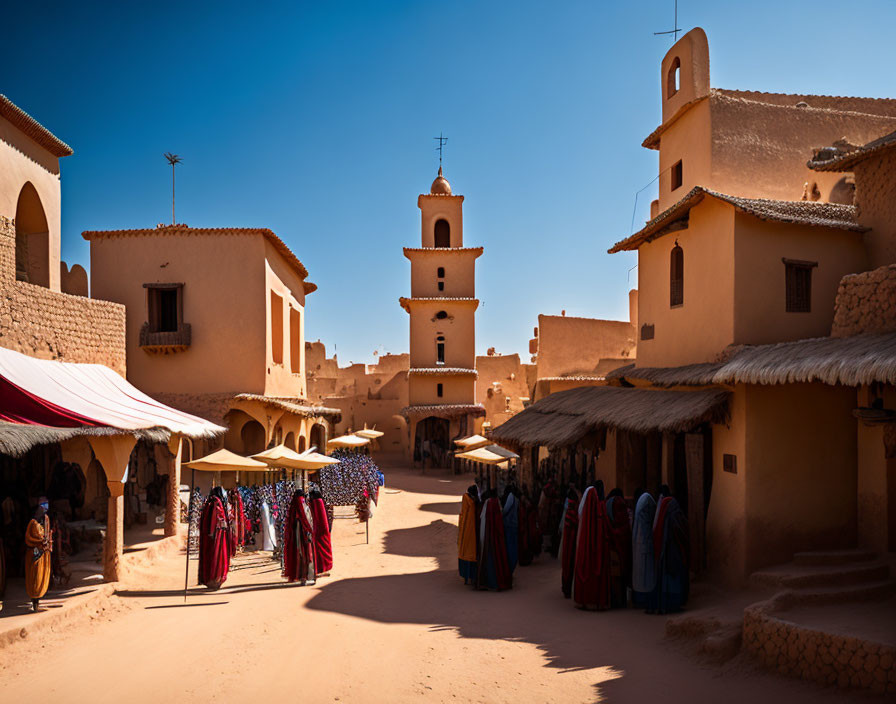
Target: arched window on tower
[442,234]
[676,276]
[673,79]
[440,349]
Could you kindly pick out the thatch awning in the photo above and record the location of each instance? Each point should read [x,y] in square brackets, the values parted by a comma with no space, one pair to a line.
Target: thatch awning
[293,405]
[443,410]
[16,439]
[851,361]
[566,417]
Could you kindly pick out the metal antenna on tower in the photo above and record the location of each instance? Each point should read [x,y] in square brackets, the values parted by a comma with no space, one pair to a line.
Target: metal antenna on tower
[676,29]
[442,142]
[174,160]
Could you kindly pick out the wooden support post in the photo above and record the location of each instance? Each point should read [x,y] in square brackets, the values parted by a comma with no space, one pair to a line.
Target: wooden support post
[113,549]
[172,504]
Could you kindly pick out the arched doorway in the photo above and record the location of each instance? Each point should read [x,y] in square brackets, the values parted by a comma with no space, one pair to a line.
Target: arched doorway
[319,437]
[302,443]
[431,442]
[32,239]
[252,435]
[290,440]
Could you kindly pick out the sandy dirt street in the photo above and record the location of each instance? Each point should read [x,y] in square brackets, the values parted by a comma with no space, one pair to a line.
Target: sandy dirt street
[394,623]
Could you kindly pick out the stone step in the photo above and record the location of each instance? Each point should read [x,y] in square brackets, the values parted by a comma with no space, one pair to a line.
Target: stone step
[802,576]
[833,557]
[863,591]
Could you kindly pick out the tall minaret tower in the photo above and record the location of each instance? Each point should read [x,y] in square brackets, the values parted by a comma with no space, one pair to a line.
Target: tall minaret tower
[442,306]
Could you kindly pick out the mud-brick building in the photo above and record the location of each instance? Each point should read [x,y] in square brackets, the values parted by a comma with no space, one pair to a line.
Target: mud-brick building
[69,422]
[216,327]
[763,387]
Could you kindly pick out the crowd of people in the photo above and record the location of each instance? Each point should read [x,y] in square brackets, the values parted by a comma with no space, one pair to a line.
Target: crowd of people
[304,535]
[613,553]
[281,518]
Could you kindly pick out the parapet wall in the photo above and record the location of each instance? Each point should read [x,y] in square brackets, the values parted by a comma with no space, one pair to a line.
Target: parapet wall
[825,658]
[866,302]
[50,325]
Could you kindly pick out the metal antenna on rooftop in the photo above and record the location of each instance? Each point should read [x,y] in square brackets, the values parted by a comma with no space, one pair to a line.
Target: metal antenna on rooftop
[174,160]
[442,142]
[676,29]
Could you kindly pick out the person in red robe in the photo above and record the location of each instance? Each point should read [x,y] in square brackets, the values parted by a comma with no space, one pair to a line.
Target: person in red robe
[214,541]
[591,584]
[620,549]
[323,548]
[298,541]
[568,542]
[493,570]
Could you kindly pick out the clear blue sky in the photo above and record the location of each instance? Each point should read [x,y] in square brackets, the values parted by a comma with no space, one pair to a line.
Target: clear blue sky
[316,120]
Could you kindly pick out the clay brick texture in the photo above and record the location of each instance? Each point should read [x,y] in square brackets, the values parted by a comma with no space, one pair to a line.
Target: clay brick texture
[51,325]
[866,302]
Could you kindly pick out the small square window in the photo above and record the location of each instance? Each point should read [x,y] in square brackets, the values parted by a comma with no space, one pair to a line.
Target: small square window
[647,332]
[441,285]
[798,285]
[677,176]
[729,463]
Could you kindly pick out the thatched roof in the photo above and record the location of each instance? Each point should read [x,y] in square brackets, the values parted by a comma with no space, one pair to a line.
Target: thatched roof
[564,418]
[293,405]
[17,438]
[797,212]
[852,361]
[443,410]
[688,375]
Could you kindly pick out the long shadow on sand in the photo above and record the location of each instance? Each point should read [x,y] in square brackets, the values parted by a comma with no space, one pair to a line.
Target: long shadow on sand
[534,611]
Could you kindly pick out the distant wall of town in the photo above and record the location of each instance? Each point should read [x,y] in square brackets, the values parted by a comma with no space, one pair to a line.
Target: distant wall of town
[43,323]
[866,302]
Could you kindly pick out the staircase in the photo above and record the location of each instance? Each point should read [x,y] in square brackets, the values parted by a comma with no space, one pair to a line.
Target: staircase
[830,576]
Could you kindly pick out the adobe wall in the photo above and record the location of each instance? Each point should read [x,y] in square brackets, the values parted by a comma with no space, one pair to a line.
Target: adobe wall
[760,314]
[24,161]
[800,470]
[43,323]
[708,245]
[866,302]
[759,149]
[224,281]
[569,345]
[285,378]
[810,654]
[876,202]
[501,377]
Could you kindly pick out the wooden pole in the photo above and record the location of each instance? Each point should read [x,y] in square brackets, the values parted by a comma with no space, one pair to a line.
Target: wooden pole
[189,530]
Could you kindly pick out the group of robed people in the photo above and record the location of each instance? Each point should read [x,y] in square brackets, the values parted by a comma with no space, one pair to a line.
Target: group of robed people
[494,536]
[611,556]
[307,548]
[609,552]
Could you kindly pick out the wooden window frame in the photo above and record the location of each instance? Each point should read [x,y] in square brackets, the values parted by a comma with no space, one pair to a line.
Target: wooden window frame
[798,285]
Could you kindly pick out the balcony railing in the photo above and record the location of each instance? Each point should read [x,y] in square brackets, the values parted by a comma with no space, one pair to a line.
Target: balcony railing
[166,342]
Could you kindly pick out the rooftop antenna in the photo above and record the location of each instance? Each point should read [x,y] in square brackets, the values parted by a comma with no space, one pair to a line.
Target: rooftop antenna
[174,160]
[442,142]
[676,29]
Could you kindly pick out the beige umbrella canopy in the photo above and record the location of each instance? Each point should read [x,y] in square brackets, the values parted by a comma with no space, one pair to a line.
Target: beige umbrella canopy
[282,456]
[369,433]
[226,461]
[503,451]
[471,442]
[483,456]
[348,442]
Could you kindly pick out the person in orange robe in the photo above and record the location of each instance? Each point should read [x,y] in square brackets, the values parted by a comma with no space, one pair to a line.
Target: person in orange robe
[467,533]
[39,540]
